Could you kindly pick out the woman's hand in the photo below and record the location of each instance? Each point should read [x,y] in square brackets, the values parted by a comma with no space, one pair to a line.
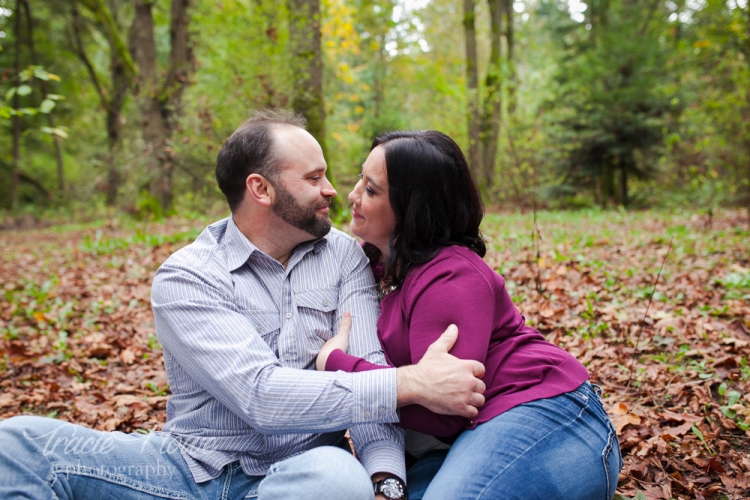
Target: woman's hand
[338,341]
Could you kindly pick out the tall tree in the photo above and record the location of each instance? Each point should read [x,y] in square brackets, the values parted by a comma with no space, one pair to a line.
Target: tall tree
[511,44]
[112,93]
[307,66]
[491,120]
[472,90]
[43,87]
[16,107]
[159,99]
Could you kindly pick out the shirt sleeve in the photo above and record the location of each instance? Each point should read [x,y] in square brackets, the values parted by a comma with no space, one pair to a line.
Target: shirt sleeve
[380,447]
[220,348]
[453,291]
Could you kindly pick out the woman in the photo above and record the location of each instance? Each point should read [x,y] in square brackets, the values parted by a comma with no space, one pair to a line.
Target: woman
[542,432]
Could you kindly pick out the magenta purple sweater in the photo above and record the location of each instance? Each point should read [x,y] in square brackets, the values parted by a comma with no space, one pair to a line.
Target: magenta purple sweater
[458,287]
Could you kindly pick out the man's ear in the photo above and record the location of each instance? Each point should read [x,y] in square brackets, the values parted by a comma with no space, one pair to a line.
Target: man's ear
[259,189]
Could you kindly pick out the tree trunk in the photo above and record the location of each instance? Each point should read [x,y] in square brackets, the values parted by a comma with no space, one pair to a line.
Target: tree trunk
[624,183]
[307,73]
[510,39]
[120,86]
[471,89]
[16,116]
[159,105]
[113,98]
[43,86]
[747,113]
[492,104]
[305,40]
[150,99]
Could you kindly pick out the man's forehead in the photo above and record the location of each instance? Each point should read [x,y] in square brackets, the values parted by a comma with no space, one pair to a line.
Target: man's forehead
[296,149]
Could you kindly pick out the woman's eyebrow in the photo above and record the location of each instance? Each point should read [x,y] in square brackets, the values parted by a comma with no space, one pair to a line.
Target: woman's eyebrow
[369,181]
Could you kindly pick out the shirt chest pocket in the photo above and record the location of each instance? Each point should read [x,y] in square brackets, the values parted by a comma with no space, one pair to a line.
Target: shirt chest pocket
[317,309]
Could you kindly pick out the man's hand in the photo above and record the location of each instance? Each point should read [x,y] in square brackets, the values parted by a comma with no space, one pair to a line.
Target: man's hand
[442,383]
[338,341]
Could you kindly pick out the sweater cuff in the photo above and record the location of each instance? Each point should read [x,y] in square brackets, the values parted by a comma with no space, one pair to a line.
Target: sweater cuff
[339,360]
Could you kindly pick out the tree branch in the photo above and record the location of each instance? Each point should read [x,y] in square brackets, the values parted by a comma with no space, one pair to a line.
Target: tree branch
[82,55]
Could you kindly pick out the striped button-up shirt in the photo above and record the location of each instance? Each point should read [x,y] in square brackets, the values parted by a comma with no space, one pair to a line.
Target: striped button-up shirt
[240,334]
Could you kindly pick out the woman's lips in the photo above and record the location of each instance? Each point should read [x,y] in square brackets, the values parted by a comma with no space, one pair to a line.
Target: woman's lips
[355,215]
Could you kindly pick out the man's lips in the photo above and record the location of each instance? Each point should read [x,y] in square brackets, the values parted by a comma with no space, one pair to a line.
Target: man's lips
[323,209]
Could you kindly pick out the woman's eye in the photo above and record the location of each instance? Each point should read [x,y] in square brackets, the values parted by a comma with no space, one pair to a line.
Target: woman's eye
[369,191]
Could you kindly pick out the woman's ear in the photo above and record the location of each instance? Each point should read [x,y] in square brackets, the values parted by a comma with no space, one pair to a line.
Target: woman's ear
[259,189]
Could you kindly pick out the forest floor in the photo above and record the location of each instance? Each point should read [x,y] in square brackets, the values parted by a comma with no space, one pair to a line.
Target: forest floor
[77,339]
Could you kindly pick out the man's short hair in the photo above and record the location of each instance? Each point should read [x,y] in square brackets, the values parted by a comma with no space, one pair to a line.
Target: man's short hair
[250,150]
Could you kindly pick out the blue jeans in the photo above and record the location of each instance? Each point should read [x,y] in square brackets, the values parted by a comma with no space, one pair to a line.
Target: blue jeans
[43,458]
[561,447]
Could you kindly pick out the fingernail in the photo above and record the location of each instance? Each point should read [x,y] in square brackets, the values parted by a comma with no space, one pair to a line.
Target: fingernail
[453,328]
[347,314]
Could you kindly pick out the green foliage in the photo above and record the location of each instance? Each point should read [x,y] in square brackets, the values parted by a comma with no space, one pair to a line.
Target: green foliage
[657,93]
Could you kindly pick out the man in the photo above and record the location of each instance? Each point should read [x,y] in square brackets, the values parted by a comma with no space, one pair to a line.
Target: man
[242,313]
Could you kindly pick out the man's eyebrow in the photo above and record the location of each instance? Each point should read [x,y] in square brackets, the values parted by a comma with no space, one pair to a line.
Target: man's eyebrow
[316,171]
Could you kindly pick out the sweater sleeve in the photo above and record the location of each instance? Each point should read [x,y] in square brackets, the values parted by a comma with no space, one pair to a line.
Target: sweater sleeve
[452,291]
[339,360]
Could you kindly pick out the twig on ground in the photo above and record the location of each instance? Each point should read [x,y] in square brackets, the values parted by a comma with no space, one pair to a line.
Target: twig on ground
[645,315]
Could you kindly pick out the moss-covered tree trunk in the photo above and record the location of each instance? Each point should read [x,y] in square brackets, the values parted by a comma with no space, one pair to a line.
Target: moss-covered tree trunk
[510,38]
[307,70]
[472,91]
[491,121]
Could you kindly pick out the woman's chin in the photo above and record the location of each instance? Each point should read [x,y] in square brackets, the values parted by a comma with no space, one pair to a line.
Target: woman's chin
[355,228]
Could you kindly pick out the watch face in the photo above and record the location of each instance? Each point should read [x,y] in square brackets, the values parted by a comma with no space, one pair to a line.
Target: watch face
[392,488]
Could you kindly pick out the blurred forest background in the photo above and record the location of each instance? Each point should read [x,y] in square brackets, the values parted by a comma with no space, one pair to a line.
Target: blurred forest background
[557,103]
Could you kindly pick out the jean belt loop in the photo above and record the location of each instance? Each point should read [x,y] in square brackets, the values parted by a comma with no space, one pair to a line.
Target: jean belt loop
[597,390]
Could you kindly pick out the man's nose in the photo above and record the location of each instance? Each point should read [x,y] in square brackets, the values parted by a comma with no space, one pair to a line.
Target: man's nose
[327,190]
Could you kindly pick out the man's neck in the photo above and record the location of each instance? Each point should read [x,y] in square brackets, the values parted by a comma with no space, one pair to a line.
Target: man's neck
[273,239]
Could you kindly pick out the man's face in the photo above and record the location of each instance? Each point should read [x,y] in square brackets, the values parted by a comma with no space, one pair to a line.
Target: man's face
[302,191]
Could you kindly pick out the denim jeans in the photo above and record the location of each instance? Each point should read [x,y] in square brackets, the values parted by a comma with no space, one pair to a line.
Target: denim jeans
[561,447]
[43,458]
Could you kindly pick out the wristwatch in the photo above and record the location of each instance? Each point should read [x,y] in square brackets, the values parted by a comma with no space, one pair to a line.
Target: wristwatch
[393,488]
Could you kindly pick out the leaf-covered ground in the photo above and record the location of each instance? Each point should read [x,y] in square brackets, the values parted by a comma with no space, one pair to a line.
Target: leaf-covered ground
[77,337]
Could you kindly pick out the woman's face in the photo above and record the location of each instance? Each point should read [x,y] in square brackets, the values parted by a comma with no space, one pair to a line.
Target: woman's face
[372,216]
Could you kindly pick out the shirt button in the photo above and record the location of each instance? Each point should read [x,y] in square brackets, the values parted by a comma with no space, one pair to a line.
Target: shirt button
[288,355]
[382,411]
[288,315]
[328,422]
[325,303]
[367,414]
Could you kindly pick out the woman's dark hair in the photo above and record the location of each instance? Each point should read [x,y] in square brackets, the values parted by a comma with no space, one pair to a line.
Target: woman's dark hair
[433,196]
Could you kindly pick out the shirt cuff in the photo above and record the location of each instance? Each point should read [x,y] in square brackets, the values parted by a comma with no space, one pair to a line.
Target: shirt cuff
[375,397]
[383,456]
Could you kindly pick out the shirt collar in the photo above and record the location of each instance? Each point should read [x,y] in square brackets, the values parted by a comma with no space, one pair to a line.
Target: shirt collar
[239,248]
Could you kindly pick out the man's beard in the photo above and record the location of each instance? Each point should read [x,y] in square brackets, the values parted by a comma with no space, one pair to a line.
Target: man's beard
[299,216]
